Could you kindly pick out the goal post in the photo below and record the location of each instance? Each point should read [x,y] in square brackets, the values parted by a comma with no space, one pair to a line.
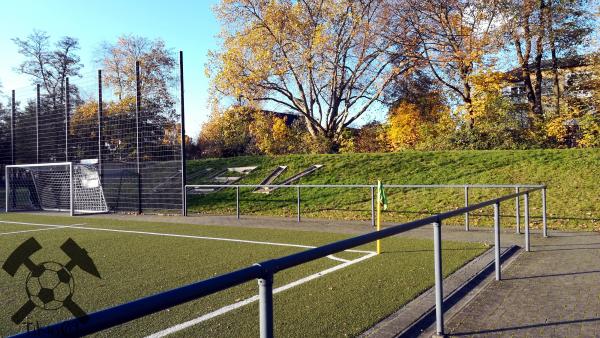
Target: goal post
[59,187]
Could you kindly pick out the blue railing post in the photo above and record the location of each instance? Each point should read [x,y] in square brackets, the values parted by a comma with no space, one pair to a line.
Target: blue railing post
[265,293]
[439,290]
[497,239]
[526,207]
[544,223]
[466,205]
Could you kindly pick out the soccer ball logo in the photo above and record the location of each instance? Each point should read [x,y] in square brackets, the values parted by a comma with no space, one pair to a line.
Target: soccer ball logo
[51,287]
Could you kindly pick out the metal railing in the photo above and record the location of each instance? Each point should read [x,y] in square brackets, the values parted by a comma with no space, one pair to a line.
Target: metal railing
[372,187]
[265,271]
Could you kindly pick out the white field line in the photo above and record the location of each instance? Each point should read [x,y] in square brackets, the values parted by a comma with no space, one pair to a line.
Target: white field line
[34,230]
[252,299]
[42,224]
[76,226]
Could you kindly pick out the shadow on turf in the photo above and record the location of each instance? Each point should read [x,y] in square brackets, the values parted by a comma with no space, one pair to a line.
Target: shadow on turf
[523,327]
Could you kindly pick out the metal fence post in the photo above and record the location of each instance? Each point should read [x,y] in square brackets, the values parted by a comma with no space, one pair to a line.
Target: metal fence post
[138,108]
[265,294]
[13,112]
[67,108]
[439,290]
[466,205]
[298,202]
[526,207]
[100,120]
[518,211]
[37,122]
[544,223]
[237,202]
[373,206]
[497,239]
[183,139]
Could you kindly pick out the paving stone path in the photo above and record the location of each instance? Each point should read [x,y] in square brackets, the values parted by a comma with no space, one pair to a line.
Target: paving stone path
[553,291]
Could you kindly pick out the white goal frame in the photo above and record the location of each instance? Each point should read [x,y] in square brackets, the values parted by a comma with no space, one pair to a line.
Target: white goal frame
[70,165]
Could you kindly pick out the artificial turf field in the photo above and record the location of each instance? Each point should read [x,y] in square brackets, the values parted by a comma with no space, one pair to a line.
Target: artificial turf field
[337,296]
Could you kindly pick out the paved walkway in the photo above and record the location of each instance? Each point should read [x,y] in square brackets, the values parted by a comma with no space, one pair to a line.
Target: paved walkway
[553,291]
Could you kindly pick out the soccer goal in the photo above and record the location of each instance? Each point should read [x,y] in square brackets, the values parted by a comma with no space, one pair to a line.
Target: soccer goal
[62,187]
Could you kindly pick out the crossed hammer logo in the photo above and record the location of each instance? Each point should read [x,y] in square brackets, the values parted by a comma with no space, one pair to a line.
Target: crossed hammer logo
[49,285]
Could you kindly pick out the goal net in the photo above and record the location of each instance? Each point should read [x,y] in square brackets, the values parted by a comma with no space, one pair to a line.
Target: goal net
[66,187]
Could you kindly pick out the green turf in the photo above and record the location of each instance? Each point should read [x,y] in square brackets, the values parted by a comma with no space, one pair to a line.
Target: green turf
[571,176]
[345,302]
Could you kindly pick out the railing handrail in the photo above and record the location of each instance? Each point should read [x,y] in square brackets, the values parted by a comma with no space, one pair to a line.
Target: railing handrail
[123,313]
[525,186]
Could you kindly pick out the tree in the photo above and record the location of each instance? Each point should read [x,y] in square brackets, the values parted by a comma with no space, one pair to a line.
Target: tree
[159,116]
[227,133]
[157,69]
[273,135]
[568,24]
[498,127]
[323,59]
[419,103]
[544,28]
[49,66]
[454,38]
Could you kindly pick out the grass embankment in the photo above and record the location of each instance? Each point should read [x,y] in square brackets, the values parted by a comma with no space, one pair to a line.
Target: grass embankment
[134,265]
[572,176]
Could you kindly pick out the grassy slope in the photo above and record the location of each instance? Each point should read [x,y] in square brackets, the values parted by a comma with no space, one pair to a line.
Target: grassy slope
[572,177]
[342,303]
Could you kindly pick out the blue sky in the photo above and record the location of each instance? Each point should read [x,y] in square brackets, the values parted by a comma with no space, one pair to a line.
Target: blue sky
[183,25]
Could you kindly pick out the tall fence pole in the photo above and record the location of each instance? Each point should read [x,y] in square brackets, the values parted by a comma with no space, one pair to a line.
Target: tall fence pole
[67,108]
[37,122]
[544,222]
[497,239]
[298,202]
[100,121]
[183,152]
[265,295]
[138,106]
[13,112]
[526,207]
[439,289]
[466,205]
[372,206]
[518,211]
